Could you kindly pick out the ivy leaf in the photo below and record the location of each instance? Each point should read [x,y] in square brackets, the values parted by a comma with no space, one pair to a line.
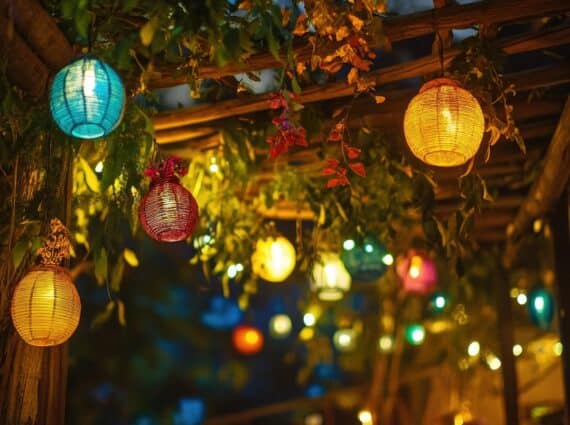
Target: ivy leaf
[295,86]
[130,257]
[358,168]
[101,266]
[148,30]
[334,183]
[352,153]
[90,176]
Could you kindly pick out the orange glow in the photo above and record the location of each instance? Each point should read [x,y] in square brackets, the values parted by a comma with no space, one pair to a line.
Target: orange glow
[247,339]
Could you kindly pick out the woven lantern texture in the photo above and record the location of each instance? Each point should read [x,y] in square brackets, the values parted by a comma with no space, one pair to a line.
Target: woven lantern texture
[87,98]
[168,212]
[444,124]
[273,259]
[46,306]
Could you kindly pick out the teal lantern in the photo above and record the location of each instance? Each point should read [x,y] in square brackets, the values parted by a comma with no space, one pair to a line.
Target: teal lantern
[87,98]
[541,306]
[366,260]
[415,334]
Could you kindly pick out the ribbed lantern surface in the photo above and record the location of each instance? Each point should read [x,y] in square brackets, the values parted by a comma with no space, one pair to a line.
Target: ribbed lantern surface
[46,306]
[444,124]
[87,98]
[168,212]
[329,277]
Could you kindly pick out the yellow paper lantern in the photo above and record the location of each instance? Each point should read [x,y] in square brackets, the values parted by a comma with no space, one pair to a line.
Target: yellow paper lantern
[46,306]
[444,124]
[329,277]
[273,259]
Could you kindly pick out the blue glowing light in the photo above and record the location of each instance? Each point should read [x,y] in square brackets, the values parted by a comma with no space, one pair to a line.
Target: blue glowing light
[224,313]
[87,98]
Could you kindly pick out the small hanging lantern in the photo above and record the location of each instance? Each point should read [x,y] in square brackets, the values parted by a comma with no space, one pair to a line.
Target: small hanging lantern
[168,212]
[87,98]
[273,259]
[329,278]
[541,307]
[46,306]
[417,272]
[247,339]
[444,124]
[366,261]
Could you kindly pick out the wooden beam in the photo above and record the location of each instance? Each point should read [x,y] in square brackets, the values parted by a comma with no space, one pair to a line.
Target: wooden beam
[24,68]
[40,31]
[235,107]
[549,186]
[398,28]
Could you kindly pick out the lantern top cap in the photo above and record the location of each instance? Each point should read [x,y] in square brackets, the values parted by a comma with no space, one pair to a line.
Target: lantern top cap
[170,169]
[438,82]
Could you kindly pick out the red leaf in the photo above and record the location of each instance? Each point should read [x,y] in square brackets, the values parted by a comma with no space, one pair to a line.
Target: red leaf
[276,101]
[332,163]
[334,182]
[352,153]
[328,171]
[358,168]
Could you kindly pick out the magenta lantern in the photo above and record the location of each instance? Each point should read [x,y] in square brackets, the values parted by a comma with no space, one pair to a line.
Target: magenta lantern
[417,272]
[168,212]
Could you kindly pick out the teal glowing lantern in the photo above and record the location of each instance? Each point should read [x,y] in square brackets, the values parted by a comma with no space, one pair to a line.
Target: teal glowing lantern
[366,260]
[541,306]
[415,334]
[438,302]
[87,98]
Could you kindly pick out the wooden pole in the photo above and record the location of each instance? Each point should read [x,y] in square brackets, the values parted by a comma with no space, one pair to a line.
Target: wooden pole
[395,29]
[506,342]
[561,231]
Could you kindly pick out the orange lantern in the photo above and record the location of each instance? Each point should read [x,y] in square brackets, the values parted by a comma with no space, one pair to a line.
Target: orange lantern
[444,124]
[46,306]
[247,339]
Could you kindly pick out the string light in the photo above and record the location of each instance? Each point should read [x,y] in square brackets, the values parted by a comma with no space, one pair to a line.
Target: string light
[99,167]
[234,269]
[344,340]
[473,348]
[388,259]
[493,362]
[348,244]
[365,417]
[415,334]
[385,343]
[280,326]
[522,298]
[517,350]
[309,319]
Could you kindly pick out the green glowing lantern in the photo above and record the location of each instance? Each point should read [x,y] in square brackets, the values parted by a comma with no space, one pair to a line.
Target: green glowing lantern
[415,334]
[87,98]
[541,306]
[366,260]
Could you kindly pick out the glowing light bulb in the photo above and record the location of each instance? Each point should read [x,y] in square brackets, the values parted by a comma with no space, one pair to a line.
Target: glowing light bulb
[385,343]
[365,417]
[348,244]
[232,271]
[89,82]
[280,326]
[388,259]
[517,350]
[493,361]
[474,348]
[558,349]
[309,319]
[539,304]
[368,248]
[415,334]
[415,266]
[440,302]
[99,167]
[522,298]
[450,124]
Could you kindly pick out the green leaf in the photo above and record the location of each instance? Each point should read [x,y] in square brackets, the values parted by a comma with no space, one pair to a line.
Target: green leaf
[101,266]
[148,30]
[295,86]
[19,251]
[273,45]
[104,315]
[90,176]
[117,275]
[121,313]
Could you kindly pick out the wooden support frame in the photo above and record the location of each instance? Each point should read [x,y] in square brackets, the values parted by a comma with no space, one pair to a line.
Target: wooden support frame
[398,28]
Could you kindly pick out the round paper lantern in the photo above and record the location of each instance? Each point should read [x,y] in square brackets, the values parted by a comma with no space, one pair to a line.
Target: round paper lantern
[247,339]
[417,272]
[87,98]
[329,278]
[168,212]
[415,334]
[46,306]
[366,261]
[541,307]
[273,259]
[444,124]
[280,326]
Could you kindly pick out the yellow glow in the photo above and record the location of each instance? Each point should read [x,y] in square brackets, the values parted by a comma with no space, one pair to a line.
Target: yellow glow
[329,278]
[365,417]
[348,244]
[517,350]
[415,266]
[309,319]
[522,298]
[558,349]
[280,326]
[274,259]
[251,337]
[344,339]
[46,306]
[385,343]
[306,333]
[388,259]
[474,348]
[493,362]
[89,82]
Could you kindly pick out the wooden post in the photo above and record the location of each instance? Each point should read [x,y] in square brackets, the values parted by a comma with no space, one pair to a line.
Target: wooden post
[561,231]
[506,341]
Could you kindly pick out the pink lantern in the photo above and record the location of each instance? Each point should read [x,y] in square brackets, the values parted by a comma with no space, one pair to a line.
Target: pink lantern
[417,272]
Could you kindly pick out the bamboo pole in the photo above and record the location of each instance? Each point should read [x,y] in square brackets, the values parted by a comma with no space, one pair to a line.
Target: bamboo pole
[428,64]
[395,29]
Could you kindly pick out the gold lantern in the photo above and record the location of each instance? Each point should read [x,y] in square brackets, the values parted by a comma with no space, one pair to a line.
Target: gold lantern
[273,259]
[329,277]
[45,305]
[444,124]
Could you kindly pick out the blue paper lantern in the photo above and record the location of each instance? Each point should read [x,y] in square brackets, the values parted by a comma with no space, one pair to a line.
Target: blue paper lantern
[541,306]
[87,98]
[366,260]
